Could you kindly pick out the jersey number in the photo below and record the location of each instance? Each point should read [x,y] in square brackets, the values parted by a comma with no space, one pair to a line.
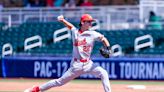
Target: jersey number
[86,48]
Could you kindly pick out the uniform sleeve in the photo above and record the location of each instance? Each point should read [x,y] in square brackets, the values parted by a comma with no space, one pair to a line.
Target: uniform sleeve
[97,36]
[74,31]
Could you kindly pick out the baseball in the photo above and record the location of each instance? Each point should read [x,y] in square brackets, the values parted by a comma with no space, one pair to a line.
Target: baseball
[60,17]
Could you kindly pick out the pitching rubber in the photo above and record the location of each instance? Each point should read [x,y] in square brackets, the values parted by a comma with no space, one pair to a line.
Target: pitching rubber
[136,87]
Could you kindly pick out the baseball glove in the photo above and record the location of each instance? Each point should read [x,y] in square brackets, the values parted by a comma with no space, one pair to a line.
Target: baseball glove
[105,51]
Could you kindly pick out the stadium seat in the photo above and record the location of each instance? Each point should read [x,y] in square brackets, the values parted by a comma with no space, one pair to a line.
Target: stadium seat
[125,38]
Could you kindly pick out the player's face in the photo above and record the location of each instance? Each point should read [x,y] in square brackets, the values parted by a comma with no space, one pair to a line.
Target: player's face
[87,24]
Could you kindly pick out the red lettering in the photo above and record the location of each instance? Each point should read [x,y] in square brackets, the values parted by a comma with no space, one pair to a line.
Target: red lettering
[79,43]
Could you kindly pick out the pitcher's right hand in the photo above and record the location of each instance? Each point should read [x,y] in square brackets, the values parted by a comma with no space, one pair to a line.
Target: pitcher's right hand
[60,18]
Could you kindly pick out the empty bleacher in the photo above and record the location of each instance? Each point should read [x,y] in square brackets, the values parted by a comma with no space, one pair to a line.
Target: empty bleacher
[125,38]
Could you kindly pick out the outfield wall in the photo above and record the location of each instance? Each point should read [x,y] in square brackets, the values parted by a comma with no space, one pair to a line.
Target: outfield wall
[51,67]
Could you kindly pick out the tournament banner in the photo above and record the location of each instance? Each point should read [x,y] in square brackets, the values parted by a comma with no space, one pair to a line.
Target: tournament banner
[51,67]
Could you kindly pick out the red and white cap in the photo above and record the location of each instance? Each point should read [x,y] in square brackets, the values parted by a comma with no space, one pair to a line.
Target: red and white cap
[86,17]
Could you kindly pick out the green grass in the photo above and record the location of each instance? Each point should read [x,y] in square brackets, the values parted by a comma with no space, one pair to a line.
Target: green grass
[88,81]
[122,82]
[138,82]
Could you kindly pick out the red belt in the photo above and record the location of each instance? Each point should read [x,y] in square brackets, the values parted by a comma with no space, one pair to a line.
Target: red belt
[81,60]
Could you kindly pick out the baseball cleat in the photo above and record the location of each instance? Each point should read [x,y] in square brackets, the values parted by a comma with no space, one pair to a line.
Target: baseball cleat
[33,89]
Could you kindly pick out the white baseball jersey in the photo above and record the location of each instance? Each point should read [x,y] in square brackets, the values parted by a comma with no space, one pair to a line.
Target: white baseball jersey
[83,42]
[82,47]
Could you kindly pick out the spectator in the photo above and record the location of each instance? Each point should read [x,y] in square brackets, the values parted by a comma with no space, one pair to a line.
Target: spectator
[1,4]
[58,3]
[43,3]
[70,3]
[25,3]
[80,2]
[86,3]
[37,3]
[154,21]
[50,3]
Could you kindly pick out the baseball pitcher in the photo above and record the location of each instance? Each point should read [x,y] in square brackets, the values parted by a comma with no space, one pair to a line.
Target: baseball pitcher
[81,63]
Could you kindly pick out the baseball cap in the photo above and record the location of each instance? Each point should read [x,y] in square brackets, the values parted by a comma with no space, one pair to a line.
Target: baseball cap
[86,17]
